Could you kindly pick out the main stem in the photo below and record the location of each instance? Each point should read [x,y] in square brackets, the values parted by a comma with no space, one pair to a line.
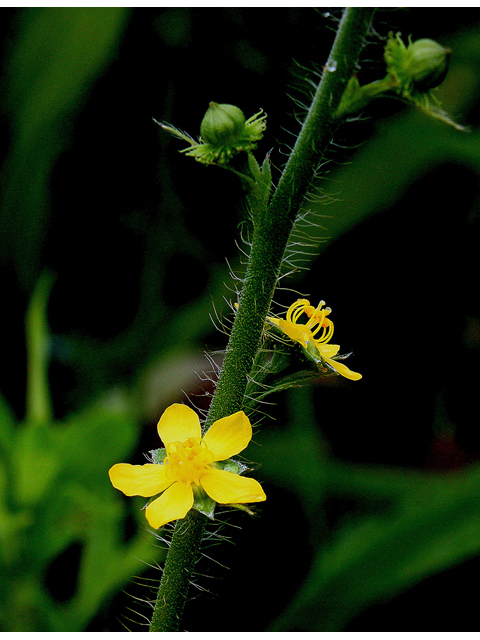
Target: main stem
[269,241]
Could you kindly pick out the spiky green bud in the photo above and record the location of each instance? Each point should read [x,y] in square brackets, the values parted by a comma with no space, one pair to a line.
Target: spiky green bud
[224,132]
[427,63]
[417,68]
[222,124]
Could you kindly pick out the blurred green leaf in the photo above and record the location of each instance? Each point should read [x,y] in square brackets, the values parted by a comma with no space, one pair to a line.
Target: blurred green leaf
[106,562]
[35,463]
[89,443]
[57,54]
[402,150]
[7,423]
[37,337]
[433,525]
[295,458]
[57,493]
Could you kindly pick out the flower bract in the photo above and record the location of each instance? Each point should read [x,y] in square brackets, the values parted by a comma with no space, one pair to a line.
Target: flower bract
[313,334]
[192,465]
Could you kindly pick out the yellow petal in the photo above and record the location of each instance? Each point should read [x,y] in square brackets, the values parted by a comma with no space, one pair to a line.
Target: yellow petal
[178,423]
[228,436]
[298,332]
[328,350]
[140,479]
[343,370]
[226,487]
[173,504]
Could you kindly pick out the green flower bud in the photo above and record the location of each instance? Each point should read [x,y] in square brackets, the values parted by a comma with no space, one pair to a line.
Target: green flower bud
[417,68]
[415,71]
[427,63]
[224,132]
[222,124]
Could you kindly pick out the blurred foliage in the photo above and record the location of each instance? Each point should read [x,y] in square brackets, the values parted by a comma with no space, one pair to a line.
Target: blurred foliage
[373,488]
[56,500]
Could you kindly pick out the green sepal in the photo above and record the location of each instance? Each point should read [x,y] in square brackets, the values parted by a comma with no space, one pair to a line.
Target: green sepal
[257,187]
[311,351]
[350,98]
[242,507]
[254,168]
[262,176]
[232,466]
[158,455]
[266,175]
[288,365]
[202,502]
[323,367]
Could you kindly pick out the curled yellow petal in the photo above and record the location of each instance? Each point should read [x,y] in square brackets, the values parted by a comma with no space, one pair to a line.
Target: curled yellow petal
[139,480]
[178,423]
[173,504]
[343,370]
[328,350]
[228,436]
[298,332]
[226,487]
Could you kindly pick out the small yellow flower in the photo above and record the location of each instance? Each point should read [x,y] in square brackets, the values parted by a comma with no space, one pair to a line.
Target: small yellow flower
[314,334]
[190,466]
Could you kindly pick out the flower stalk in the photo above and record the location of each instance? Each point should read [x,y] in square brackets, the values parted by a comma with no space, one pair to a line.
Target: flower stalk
[270,237]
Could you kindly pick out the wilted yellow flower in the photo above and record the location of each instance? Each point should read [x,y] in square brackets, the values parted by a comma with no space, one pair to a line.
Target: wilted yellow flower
[314,334]
[190,466]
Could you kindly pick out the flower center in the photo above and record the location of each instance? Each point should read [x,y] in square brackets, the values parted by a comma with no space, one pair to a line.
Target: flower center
[188,461]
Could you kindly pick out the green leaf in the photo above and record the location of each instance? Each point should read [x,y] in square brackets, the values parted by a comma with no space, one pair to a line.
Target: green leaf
[56,54]
[91,442]
[106,563]
[38,394]
[35,463]
[254,167]
[7,423]
[435,524]
[266,173]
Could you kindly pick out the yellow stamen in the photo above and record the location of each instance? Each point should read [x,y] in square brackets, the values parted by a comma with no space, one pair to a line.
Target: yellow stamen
[188,461]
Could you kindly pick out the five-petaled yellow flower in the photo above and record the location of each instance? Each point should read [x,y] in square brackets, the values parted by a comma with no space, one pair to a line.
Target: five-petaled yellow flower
[314,334]
[190,466]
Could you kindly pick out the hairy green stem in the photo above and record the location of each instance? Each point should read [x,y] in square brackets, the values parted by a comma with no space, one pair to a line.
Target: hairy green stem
[270,238]
[271,235]
[182,556]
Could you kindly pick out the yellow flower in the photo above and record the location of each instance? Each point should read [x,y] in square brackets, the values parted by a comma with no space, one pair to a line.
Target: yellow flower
[314,334]
[190,465]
